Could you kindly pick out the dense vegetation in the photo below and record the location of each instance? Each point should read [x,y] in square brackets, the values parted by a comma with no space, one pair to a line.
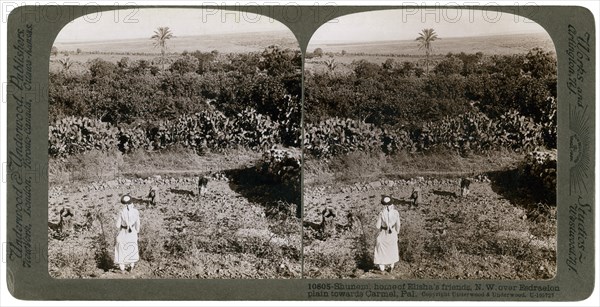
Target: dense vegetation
[469,102]
[130,95]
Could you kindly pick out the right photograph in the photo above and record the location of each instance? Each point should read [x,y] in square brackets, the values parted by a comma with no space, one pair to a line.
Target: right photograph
[430,147]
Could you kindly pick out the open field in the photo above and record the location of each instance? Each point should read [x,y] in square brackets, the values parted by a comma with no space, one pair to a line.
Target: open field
[492,233]
[408,51]
[234,43]
[495,44]
[239,229]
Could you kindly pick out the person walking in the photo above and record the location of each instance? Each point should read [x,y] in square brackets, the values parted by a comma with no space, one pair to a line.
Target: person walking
[386,247]
[128,223]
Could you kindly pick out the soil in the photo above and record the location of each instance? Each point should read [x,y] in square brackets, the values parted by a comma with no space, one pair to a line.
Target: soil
[238,230]
[484,235]
[230,232]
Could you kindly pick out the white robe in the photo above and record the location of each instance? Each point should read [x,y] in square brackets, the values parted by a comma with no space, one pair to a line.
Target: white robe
[126,247]
[386,247]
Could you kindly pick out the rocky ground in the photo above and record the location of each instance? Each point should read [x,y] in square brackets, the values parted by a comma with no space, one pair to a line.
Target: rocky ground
[485,235]
[234,231]
[238,230]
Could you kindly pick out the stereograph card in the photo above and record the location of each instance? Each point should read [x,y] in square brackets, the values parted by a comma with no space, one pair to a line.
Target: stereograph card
[380,153]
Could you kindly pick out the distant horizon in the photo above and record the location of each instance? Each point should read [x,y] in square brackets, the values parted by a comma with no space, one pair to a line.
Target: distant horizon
[176,36]
[381,25]
[342,42]
[312,42]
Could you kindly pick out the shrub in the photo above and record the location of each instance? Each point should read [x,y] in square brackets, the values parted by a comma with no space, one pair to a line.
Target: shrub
[185,64]
[538,172]
[449,66]
[318,52]
[72,135]
[201,131]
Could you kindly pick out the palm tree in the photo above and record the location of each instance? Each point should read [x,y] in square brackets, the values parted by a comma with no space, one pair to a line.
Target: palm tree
[331,64]
[425,38]
[160,37]
[66,64]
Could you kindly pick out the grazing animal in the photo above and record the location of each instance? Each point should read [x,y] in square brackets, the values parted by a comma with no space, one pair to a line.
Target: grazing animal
[465,183]
[328,216]
[327,226]
[65,223]
[349,225]
[202,185]
[416,197]
[89,221]
[153,195]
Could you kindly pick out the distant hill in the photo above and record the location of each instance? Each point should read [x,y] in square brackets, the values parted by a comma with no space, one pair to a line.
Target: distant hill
[224,43]
[496,44]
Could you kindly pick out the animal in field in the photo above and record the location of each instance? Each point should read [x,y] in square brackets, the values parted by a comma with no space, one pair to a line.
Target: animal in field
[153,196]
[65,222]
[465,184]
[202,185]
[89,221]
[327,226]
[351,220]
[66,219]
[416,197]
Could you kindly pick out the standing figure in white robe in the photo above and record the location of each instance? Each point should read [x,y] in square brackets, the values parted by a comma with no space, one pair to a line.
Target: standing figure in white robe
[386,247]
[128,223]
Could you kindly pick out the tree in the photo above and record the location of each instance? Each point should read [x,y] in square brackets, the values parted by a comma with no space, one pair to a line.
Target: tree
[277,62]
[365,69]
[185,64]
[66,64]
[389,64]
[426,37]
[331,64]
[449,66]
[100,68]
[160,37]
[54,51]
[318,52]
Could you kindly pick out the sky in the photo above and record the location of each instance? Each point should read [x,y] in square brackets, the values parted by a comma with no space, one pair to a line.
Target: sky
[141,23]
[369,26]
[405,25]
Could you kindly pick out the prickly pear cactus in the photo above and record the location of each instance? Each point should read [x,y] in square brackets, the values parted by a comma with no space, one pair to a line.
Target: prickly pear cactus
[539,168]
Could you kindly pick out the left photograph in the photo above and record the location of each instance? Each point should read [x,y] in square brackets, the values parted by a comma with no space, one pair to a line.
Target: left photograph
[174,146]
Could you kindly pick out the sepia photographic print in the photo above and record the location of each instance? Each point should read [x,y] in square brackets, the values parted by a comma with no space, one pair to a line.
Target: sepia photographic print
[430,148]
[320,152]
[174,147]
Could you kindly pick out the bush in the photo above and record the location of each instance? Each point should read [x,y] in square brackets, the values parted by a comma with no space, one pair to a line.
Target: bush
[137,90]
[72,135]
[283,165]
[466,133]
[449,66]
[395,95]
[185,64]
[538,172]
[318,52]
[201,131]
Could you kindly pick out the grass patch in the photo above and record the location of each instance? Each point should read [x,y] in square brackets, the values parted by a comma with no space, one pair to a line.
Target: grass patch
[98,165]
[90,166]
[366,166]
